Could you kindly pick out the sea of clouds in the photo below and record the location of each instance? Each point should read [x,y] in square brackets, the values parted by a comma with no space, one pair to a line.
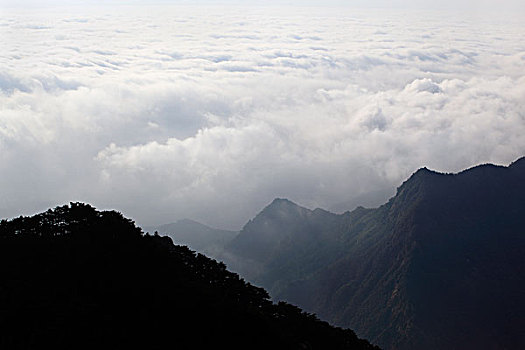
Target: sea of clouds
[211,112]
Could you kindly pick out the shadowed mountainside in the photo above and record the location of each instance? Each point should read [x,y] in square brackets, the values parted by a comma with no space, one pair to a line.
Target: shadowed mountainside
[74,277]
[440,266]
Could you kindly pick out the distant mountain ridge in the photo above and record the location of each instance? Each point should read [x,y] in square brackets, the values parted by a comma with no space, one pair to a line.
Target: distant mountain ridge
[441,265]
[195,235]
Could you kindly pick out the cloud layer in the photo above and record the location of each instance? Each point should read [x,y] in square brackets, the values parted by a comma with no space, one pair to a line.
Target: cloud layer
[210,113]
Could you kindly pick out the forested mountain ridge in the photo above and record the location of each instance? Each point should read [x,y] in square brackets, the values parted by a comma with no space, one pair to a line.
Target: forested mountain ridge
[74,277]
[441,265]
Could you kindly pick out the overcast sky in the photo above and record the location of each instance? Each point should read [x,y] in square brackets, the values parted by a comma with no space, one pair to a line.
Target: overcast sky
[210,112]
[468,5]
[425,4]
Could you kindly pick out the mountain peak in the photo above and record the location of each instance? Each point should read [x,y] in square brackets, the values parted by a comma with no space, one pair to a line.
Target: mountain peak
[421,177]
[277,227]
[283,201]
[283,207]
[424,171]
[186,221]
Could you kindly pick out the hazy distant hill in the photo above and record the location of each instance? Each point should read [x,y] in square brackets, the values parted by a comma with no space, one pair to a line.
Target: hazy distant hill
[283,243]
[440,266]
[195,235]
[76,278]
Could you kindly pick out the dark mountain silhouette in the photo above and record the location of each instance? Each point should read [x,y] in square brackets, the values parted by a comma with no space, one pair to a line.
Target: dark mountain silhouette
[74,277]
[196,236]
[440,266]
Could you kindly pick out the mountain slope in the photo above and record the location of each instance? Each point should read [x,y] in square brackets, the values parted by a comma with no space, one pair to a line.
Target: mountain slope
[75,278]
[440,266]
[281,243]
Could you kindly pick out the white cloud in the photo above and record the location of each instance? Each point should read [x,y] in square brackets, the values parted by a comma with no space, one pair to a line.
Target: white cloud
[183,112]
